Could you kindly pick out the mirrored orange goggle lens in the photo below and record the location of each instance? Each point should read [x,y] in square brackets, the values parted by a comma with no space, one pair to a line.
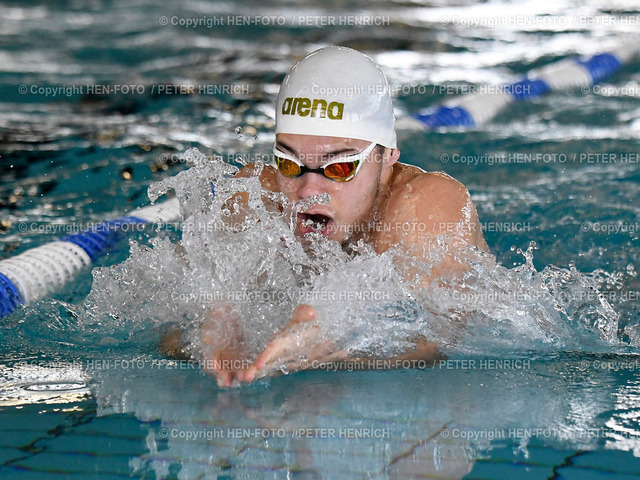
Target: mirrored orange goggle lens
[288,168]
[340,171]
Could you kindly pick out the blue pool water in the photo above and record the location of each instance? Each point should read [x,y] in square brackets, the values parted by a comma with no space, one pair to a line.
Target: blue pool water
[91,115]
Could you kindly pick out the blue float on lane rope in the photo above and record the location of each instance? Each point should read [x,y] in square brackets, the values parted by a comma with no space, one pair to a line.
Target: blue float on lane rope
[39,271]
[475,109]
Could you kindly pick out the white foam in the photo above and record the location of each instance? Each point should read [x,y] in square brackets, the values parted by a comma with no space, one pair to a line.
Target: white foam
[249,259]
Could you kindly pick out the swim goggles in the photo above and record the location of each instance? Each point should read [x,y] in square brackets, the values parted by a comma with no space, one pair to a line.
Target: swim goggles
[341,170]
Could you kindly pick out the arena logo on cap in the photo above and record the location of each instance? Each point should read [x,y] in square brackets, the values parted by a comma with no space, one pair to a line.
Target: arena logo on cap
[305,106]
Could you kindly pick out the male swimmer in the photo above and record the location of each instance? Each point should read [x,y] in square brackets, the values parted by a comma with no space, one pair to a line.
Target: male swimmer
[335,134]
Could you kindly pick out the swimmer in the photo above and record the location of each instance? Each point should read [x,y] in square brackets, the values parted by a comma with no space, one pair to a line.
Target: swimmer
[335,134]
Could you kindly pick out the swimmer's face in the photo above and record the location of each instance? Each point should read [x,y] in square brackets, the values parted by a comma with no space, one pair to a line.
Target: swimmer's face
[352,204]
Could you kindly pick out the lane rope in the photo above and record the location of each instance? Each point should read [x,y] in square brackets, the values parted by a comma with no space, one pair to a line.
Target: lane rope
[40,271]
[478,108]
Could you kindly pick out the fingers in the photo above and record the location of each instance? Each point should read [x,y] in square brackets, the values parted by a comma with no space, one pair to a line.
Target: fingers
[209,335]
[224,377]
[280,347]
[302,313]
[270,353]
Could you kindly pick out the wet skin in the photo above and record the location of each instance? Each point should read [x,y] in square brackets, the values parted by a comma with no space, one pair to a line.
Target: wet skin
[384,192]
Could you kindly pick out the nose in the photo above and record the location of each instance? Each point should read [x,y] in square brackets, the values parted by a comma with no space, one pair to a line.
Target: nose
[311,184]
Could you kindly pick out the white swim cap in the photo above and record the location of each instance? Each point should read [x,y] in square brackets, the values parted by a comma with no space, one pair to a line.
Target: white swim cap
[337,92]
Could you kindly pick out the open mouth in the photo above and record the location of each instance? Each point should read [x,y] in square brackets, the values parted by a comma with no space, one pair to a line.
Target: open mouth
[313,222]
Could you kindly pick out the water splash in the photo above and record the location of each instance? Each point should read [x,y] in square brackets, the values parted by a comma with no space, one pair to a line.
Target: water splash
[239,252]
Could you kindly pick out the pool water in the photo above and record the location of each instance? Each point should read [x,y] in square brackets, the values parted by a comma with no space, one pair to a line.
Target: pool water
[84,391]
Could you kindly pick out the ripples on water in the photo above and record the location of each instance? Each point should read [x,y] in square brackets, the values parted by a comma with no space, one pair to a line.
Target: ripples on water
[260,269]
[84,155]
[58,144]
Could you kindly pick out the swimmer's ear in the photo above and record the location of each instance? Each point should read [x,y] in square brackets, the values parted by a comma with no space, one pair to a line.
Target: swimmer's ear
[391,156]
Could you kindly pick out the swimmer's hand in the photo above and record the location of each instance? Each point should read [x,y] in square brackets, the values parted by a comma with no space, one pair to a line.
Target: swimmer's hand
[295,348]
[220,333]
[298,346]
[228,361]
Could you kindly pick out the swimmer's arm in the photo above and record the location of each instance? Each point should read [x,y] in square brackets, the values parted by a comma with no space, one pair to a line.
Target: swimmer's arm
[238,202]
[299,346]
[221,345]
[426,207]
[423,351]
[172,345]
[267,175]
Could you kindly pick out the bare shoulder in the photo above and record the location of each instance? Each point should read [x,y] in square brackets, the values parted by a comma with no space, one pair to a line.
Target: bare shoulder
[434,203]
[426,194]
[267,175]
